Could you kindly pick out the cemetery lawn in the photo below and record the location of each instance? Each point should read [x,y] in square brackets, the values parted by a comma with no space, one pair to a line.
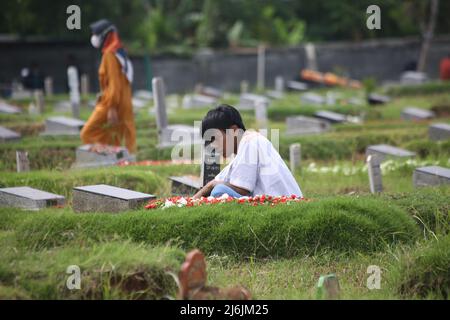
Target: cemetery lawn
[277,253]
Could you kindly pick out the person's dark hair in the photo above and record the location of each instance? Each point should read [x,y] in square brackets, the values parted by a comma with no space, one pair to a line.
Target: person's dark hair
[222,118]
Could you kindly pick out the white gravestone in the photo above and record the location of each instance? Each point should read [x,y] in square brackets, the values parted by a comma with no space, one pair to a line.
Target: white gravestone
[261,68]
[22,162]
[244,86]
[297,86]
[8,135]
[261,115]
[104,198]
[431,176]
[248,101]
[39,101]
[295,156]
[412,113]
[48,85]
[198,101]
[62,126]
[300,125]
[439,131]
[84,85]
[312,99]
[311,57]
[330,116]
[29,198]
[383,151]
[170,135]
[72,75]
[374,171]
[9,109]
[89,156]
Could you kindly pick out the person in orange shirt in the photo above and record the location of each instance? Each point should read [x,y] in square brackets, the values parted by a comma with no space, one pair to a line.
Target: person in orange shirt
[445,68]
[112,119]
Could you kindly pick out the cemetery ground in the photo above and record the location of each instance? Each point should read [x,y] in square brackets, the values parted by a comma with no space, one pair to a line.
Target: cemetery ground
[276,252]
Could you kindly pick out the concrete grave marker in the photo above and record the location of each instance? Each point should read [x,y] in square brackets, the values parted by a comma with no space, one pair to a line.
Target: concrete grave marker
[209,91]
[248,101]
[8,135]
[312,98]
[39,101]
[297,86]
[330,116]
[62,126]
[198,101]
[48,85]
[278,93]
[439,131]
[261,68]
[328,287]
[22,162]
[261,114]
[431,176]
[412,113]
[169,135]
[84,82]
[105,198]
[383,150]
[374,99]
[374,171]
[144,95]
[413,77]
[138,103]
[90,156]
[244,86]
[301,125]
[72,75]
[9,109]
[295,156]
[311,57]
[29,198]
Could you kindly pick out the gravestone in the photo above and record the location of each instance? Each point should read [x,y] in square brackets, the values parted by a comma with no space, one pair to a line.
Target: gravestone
[74,91]
[312,98]
[375,99]
[9,109]
[198,101]
[169,135]
[311,57]
[383,151]
[63,106]
[330,116]
[412,113]
[248,101]
[374,171]
[244,86]
[261,68]
[439,131]
[295,156]
[56,126]
[297,86]
[84,81]
[278,93]
[209,91]
[431,176]
[105,198]
[8,135]
[210,168]
[91,156]
[29,198]
[328,287]
[138,103]
[301,125]
[22,162]
[143,95]
[413,77]
[39,101]
[48,85]
[261,115]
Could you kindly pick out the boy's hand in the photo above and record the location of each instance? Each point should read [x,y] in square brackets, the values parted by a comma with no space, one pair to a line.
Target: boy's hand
[206,190]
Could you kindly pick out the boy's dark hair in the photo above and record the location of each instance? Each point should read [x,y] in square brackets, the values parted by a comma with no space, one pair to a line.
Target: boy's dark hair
[222,118]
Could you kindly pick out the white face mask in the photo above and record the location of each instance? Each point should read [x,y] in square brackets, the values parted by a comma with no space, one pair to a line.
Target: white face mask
[96,41]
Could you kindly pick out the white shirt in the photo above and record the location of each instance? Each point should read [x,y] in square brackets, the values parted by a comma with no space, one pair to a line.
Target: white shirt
[259,168]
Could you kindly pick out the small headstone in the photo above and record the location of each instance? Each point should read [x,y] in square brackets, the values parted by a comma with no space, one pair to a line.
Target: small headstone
[311,57]
[374,99]
[48,85]
[431,176]
[261,115]
[295,156]
[439,131]
[413,77]
[84,81]
[297,86]
[9,109]
[63,106]
[330,116]
[29,198]
[312,98]
[185,185]
[244,86]
[22,162]
[328,287]
[8,135]
[104,198]
[138,103]
[261,72]
[383,150]
[412,113]
[279,84]
[198,101]
[248,101]
[210,165]
[374,171]
[72,75]
[301,125]
[90,156]
[209,92]
[39,101]
[62,126]
[143,95]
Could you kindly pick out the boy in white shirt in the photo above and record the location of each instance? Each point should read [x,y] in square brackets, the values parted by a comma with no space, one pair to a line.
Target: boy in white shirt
[256,169]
